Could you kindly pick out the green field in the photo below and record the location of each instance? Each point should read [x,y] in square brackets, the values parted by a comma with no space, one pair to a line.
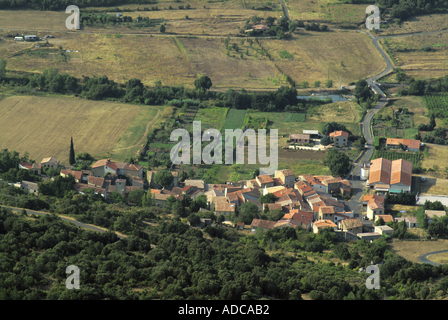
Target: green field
[285,55]
[438,104]
[234,119]
[295,117]
[414,158]
[212,117]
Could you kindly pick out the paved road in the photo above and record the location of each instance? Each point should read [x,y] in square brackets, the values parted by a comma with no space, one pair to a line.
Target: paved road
[285,9]
[77,223]
[424,258]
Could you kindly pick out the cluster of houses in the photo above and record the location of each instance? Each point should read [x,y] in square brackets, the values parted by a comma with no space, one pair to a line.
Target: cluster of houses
[408,144]
[339,139]
[307,201]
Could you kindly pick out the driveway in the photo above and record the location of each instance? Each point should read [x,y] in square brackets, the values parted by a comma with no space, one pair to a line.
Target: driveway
[424,258]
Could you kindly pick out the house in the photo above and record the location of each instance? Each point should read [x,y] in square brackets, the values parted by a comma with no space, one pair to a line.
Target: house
[138,182]
[97,182]
[411,222]
[265,181]
[322,224]
[272,206]
[431,214]
[36,168]
[411,145]
[353,225]
[264,224]
[200,184]
[25,166]
[375,207]
[76,174]
[340,138]
[29,186]
[299,138]
[286,177]
[286,223]
[104,166]
[224,208]
[346,235]
[205,222]
[240,225]
[85,174]
[160,199]
[372,197]
[326,213]
[303,218]
[384,229]
[386,218]
[50,163]
[393,176]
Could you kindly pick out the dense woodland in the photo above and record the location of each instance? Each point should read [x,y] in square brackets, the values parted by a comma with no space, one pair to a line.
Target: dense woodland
[54,5]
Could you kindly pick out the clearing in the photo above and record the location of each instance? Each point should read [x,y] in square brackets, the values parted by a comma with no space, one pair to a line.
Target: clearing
[43,126]
[434,163]
[211,117]
[411,250]
[429,22]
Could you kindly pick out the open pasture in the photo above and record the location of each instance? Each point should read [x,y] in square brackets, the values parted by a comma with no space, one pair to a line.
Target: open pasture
[43,127]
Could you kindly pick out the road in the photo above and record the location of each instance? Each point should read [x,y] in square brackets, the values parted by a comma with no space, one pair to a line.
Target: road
[77,223]
[424,258]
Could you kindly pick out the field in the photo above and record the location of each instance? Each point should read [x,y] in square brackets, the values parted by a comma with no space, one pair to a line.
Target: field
[326,10]
[418,63]
[347,112]
[430,22]
[433,161]
[326,55]
[234,119]
[432,186]
[439,258]
[43,127]
[212,117]
[411,250]
[437,104]
[414,158]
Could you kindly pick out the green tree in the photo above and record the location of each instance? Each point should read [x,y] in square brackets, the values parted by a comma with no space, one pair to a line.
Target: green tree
[316,84]
[329,83]
[220,219]
[337,162]
[379,222]
[362,90]
[162,28]
[137,196]
[203,82]
[164,178]
[3,64]
[72,159]
[268,198]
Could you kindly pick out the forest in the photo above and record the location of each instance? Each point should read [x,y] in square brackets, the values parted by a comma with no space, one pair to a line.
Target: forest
[175,262]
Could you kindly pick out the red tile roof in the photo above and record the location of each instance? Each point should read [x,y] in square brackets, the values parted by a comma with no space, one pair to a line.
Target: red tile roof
[265,179]
[339,133]
[76,174]
[265,224]
[380,171]
[401,172]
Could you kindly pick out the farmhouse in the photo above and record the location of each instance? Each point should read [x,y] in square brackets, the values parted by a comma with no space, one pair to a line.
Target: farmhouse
[411,145]
[340,138]
[322,224]
[326,213]
[353,225]
[101,167]
[299,138]
[31,187]
[395,174]
[411,222]
[50,163]
[286,177]
[76,174]
[314,134]
[434,213]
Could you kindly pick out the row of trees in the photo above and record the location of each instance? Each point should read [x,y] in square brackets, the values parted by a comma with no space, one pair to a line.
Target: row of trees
[57,5]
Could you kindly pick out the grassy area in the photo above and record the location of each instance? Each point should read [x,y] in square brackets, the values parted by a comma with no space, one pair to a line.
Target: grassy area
[430,22]
[234,119]
[411,250]
[418,63]
[439,258]
[434,161]
[431,185]
[212,117]
[43,126]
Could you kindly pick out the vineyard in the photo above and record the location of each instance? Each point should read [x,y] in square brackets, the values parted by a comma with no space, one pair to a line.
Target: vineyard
[438,105]
[414,158]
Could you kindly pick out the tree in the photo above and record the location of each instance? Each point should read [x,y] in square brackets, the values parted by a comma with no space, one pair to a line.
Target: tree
[432,121]
[72,160]
[136,196]
[329,83]
[362,90]
[194,219]
[268,198]
[325,141]
[117,198]
[3,63]
[203,82]
[162,28]
[337,162]
[247,212]
[379,222]
[316,84]
[164,178]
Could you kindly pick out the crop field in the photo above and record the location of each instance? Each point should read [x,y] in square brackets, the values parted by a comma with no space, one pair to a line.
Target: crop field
[421,56]
[347,112]
[414,158]
[212,117]
[326,10]
[438,105]
[344,56]
[146,58]
[43,127]
[234,119]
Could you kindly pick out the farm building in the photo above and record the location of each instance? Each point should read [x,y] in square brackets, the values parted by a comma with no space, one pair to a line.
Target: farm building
[411,145]
[396,175]
[299,138]
[31,38]
[314,134]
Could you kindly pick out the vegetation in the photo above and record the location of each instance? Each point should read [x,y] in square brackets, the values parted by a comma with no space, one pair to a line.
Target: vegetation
[414,158]
[338,162]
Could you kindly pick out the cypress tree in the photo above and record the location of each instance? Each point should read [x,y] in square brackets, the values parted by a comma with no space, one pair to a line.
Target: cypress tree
[72,153]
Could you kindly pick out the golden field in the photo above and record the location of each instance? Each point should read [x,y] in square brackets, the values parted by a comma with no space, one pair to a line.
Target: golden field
[43,126]
[411,250]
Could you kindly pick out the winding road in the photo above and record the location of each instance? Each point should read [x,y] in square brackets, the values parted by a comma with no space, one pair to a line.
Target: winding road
[424,258]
